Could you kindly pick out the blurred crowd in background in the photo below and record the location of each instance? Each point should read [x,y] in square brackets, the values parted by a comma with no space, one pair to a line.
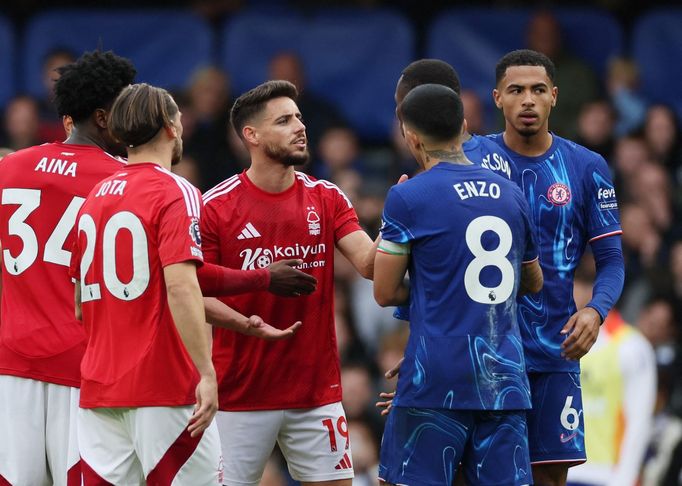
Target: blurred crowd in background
[640,140]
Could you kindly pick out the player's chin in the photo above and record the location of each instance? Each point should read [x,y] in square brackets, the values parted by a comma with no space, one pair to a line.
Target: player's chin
[298,157]
[527,130]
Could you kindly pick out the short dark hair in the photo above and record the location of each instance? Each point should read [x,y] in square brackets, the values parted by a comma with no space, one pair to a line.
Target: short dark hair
[139,113]
[434,110]
[90,83]
[428,71]
[524,57]
[253,101]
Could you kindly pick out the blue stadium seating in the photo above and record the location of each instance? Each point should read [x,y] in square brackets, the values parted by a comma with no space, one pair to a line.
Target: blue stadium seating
[657,48]
[7,56]
[166,46]
[473,40]
[352,57]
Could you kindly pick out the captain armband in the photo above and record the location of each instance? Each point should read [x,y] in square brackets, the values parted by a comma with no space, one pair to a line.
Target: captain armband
[391,248]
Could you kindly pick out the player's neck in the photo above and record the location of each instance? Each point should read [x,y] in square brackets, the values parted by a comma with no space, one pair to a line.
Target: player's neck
[82,136]
[270,176]
[143,155]
[449,153]
[528,146]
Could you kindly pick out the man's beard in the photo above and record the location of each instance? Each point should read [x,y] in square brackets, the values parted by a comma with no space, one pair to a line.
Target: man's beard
[525,131]
[287,158]
[176,157]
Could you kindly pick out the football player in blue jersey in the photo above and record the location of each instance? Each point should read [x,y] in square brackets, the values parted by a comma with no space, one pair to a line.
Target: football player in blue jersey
[476,148]
[465,235]
[480,150]
[572,203]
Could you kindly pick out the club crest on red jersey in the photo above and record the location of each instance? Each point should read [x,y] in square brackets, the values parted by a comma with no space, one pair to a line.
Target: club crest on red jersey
[314,226]
[559,194]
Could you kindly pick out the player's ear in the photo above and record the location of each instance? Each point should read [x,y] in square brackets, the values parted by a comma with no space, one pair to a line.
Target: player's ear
[496,98]
[250,134]
[555,94]
[411,138]
[171,131]
[100,118]
[465,127]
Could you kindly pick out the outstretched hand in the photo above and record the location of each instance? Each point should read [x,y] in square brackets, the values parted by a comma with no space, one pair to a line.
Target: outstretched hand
[261,329]
[287,281]
[388,397]
[582,329]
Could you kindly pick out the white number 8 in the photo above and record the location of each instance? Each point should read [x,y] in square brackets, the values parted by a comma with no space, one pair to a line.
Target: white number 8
[484,258]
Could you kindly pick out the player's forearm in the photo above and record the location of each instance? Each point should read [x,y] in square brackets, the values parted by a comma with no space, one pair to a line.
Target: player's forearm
[360,250]
[220,315]
[367,267]
[216,280]
[391,296]
[186,306]
[77,300]
[531,278]
[608,283]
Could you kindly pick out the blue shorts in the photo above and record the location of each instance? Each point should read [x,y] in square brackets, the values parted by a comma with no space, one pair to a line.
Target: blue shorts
[424,446]
[556,429]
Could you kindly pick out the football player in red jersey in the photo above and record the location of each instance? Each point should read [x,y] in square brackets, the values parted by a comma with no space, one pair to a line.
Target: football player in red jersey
[41,343]
[287,392]
[147,372]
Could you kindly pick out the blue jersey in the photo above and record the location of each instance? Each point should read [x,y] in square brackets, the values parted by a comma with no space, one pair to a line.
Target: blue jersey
[572,202]
[469,232]
[487,153]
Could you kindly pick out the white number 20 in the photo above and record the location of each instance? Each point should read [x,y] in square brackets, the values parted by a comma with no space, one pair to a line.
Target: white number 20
[121,290]
[484,258]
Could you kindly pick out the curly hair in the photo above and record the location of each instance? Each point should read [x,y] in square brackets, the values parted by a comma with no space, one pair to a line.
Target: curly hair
[93,81]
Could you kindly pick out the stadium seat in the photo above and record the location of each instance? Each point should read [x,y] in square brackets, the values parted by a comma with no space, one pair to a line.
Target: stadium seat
[166,46]
[657,48]
[7,56]
[352,57]
[473,40]
[249,40]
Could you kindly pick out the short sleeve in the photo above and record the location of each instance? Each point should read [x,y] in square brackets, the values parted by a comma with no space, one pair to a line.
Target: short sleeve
[397,220]
[603,218]
[210,242]
[179,233]
[345,217]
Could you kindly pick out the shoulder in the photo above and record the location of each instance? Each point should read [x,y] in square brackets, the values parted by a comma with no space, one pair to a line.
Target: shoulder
[578,153]
[177,187]
[223,192]
[28,153]
[495,138]
[324,188]
[112,160]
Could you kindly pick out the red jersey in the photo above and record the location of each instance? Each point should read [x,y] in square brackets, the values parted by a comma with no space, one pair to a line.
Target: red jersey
[132,225]
[41,190]
[245,227]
